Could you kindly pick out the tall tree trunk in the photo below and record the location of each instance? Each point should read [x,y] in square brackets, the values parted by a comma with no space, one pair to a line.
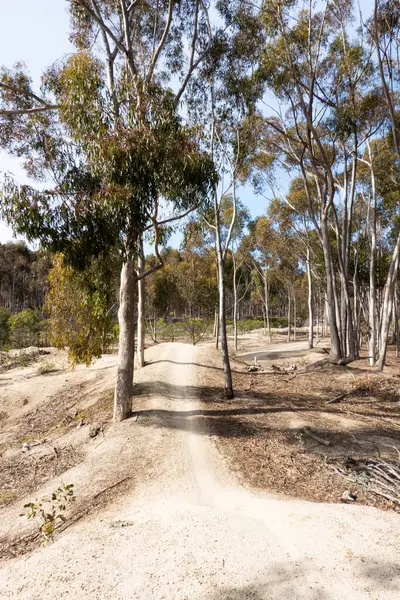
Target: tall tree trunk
[310,303]
[266,302]
[372,270]
[126,351]
[215,330]
[222,330]
[335,351]
[235,303]
[140,319]
[264,319]
[294,316]
[387,304]
[221,253]
[289,316]
[356,312]
[397,329]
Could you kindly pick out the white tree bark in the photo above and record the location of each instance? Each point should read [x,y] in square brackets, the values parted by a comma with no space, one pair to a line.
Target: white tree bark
[331,296]
[141,326]
[310,303]
[235,304]
[222,329]
[387,304]
[289,315]
[126,351]
[266,301]
[372,268]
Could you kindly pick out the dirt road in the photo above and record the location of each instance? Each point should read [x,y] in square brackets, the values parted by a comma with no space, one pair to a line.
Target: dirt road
[192,533]
[283,351]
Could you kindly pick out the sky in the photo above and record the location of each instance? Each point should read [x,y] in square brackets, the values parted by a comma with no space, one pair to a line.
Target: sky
[36,33]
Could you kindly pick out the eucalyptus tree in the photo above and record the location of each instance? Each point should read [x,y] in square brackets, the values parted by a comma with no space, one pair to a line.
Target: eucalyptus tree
[259,242]
[290,215]
[238,253]
[229,92]
[322,81]
[106,131]
[385,31]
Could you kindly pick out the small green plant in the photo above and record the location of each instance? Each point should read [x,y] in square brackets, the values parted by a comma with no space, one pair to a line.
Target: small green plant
[45,368]
[23,359]
[196,329]
[51,510]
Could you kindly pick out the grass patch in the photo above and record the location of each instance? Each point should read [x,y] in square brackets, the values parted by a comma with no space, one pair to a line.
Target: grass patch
[7,496]
[46,368]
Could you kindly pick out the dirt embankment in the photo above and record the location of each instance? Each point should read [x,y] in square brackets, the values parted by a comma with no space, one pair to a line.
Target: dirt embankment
[57,427]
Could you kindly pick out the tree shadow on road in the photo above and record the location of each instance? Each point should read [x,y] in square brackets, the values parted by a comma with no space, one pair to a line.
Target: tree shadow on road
[262,415]
[366,579]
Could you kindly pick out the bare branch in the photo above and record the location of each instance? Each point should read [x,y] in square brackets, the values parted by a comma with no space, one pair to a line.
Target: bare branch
[156,249]
[162,42]
[191,60]
[29,111]
[171,219]
[27,93]
[106,29]
[233,219]
[132,6]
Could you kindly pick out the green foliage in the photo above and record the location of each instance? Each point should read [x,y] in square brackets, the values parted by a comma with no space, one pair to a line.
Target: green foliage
[247,325]
[193,329]
[47,367]
[49,511]
[161,329]
[196,329]
[113,154]
[25,328]
[23,274]
[4,326]
[79,307]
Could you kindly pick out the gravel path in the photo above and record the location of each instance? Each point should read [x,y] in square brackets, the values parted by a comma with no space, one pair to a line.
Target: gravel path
[195,534]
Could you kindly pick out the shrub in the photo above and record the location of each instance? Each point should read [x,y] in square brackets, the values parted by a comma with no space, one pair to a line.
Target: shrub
[25,328]
[50,510]
[196,329]
[4,327]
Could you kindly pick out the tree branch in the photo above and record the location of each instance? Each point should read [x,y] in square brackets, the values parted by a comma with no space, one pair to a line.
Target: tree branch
[27,93]
[191,60]
[29,111]
[162,41]
[118,44]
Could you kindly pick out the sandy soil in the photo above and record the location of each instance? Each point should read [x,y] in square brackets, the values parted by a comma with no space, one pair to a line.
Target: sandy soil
[187,530]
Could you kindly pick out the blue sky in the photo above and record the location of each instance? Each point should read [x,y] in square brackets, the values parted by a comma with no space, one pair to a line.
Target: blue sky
[36,33]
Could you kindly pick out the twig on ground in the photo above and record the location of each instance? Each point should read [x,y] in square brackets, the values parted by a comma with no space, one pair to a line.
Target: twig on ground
[315,437]
[381,477]
[340,397]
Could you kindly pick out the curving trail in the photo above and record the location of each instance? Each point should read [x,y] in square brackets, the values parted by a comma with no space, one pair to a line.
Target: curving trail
[194,534]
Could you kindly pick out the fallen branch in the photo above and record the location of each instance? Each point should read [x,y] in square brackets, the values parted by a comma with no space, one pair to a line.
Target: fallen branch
[340,397]
[315,437]
[381,477]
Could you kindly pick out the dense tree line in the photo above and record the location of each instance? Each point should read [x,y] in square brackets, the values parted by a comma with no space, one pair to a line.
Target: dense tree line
[23,277]
[23,289]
